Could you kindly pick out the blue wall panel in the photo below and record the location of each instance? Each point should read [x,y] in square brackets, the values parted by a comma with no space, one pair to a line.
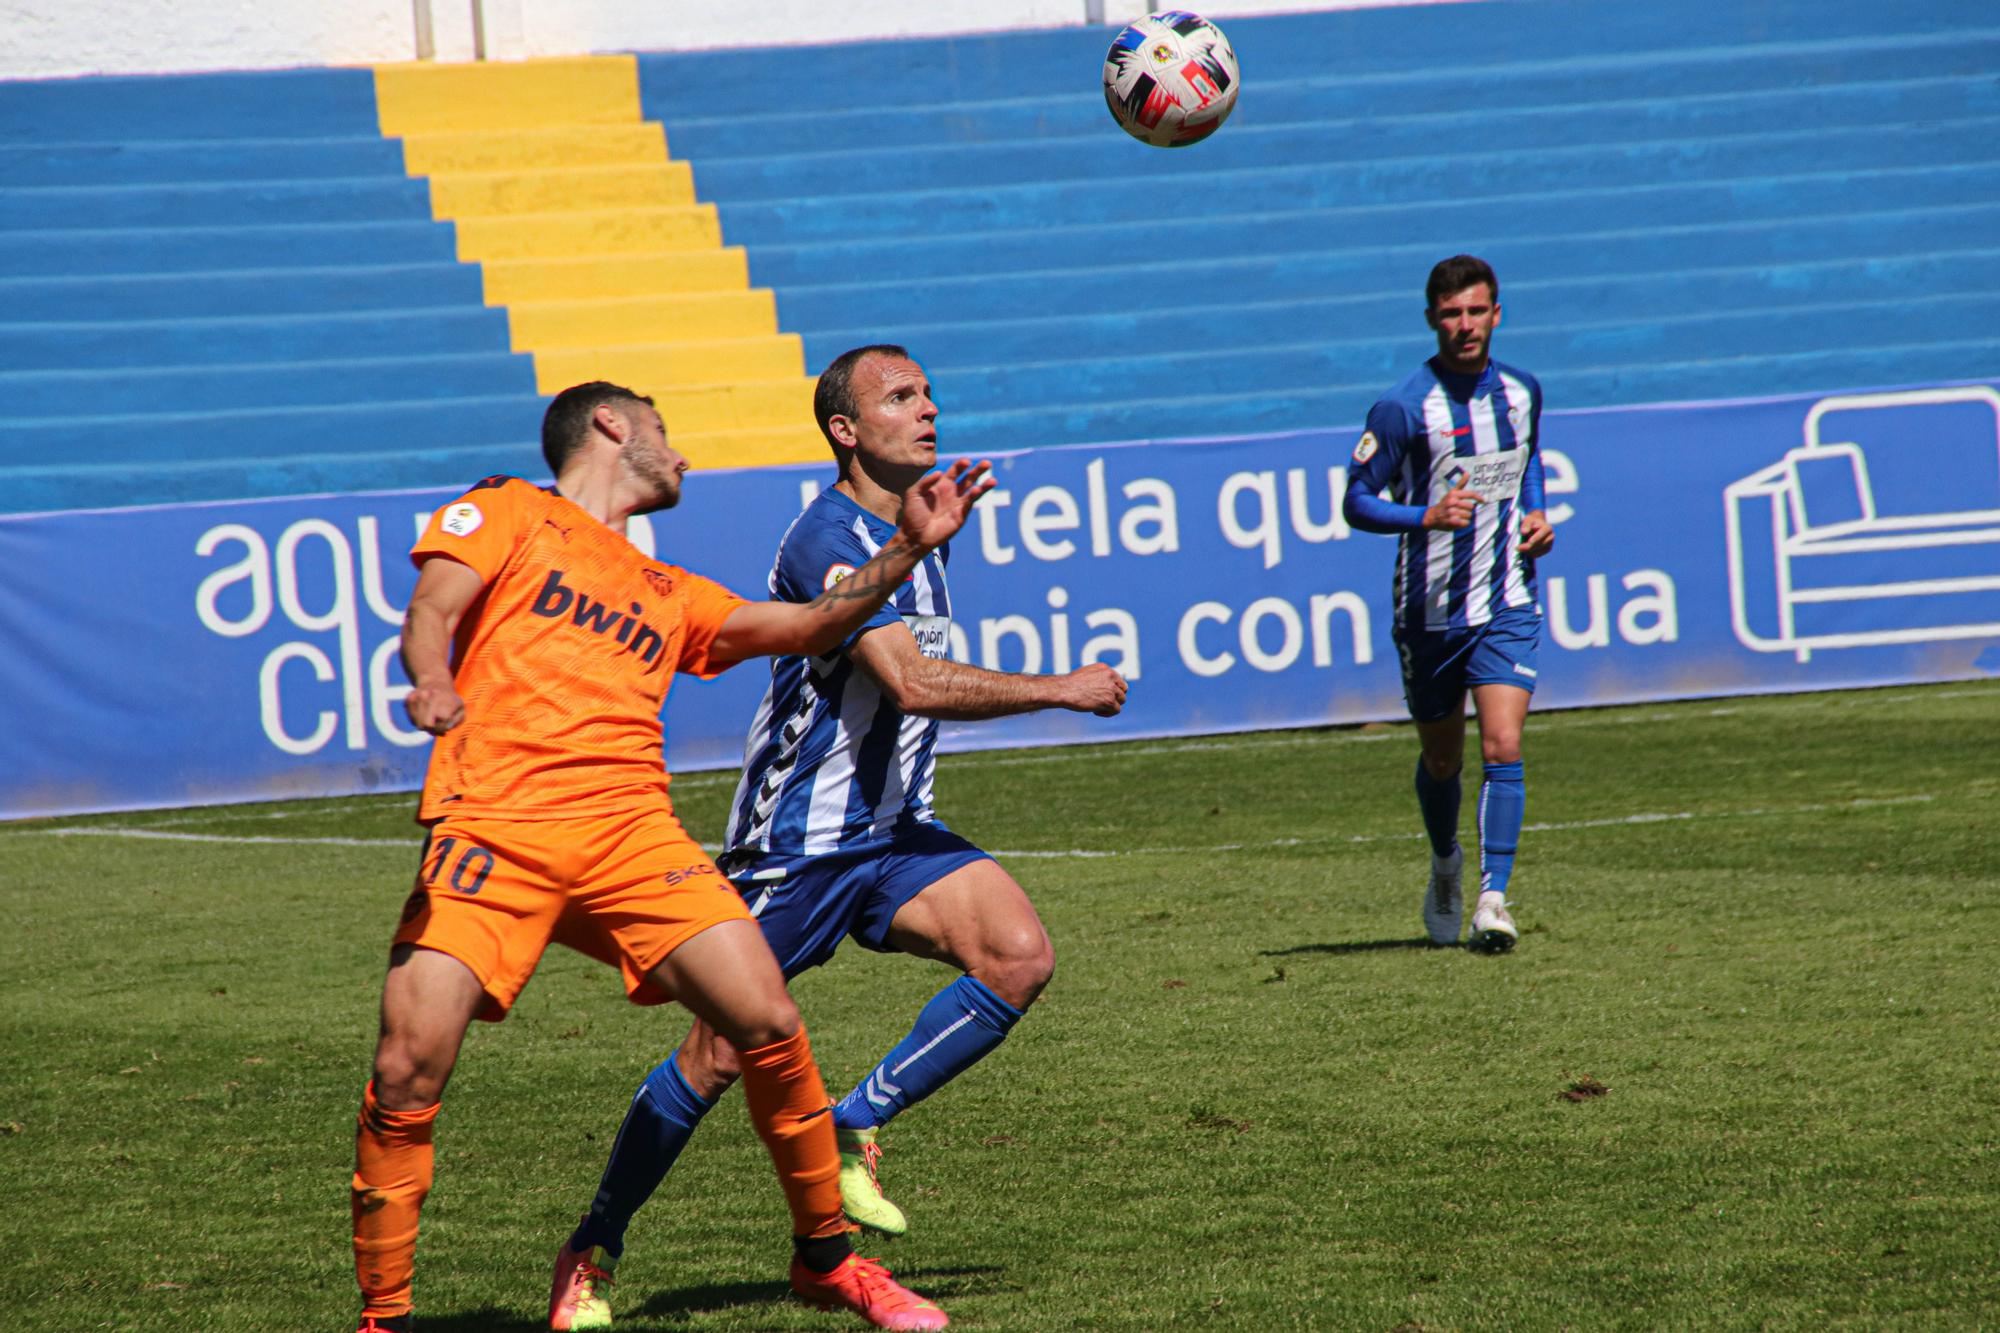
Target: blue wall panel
[1702,549]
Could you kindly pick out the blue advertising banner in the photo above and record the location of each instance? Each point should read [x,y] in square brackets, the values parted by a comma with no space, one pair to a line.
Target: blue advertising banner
[247,651]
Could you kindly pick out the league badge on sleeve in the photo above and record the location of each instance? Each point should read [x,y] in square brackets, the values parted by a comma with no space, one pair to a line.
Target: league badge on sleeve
[834,574]
[462,519]
[1364,448]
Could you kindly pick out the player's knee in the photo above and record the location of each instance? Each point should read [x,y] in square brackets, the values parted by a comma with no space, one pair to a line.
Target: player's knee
[773,1021]
[1019,967]
[724,1067]
[1500,746]
[1443,767]
[407,1078]
[710,1066]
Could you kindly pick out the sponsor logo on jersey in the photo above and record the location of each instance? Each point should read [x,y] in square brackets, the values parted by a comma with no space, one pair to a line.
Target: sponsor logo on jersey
[1365,448]
[1497,477]
[462,519]
[700,868]
[834,575]
[932,633]
[558,601]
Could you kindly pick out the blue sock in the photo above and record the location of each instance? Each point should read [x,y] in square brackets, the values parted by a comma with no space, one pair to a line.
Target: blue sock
[1503,800]
[1438,798]
[663,1115]
[959,1025]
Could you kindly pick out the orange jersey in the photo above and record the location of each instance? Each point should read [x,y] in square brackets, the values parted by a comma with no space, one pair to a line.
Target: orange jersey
[565,659]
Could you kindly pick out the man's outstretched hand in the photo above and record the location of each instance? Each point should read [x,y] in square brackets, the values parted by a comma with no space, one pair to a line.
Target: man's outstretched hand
[937,506]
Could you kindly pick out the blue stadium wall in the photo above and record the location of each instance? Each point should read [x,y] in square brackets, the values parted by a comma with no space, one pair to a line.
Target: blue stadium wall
[246,650]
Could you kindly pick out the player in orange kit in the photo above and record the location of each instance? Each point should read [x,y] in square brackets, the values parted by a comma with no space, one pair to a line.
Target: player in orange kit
[540,645]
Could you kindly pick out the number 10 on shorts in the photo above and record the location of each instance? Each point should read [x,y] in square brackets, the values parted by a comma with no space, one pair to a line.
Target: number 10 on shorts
[468,873]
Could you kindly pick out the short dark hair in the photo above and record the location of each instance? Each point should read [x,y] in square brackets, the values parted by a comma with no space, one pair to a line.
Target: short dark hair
[833,396]
[567,421]
[1455,275]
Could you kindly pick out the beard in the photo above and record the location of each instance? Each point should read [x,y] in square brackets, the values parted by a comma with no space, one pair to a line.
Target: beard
[643,465]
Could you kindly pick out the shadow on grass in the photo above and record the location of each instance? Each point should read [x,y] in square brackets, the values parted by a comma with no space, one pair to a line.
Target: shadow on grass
[488,1320]
[940,1284]
[1356,946]
[681,1304]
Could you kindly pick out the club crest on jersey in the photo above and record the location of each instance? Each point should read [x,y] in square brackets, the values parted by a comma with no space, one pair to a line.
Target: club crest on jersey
[462,519]
[659,581]
[834,575]
[1365,448]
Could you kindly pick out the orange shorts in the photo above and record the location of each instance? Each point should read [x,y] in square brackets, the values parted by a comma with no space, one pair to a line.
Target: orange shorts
[626,890]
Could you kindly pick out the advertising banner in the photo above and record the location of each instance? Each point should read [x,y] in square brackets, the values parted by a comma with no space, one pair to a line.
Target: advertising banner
[247,650]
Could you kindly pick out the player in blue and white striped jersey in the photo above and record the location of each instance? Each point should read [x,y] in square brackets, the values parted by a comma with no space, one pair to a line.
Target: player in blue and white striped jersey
[831,764]
[1456,448]
[832,833]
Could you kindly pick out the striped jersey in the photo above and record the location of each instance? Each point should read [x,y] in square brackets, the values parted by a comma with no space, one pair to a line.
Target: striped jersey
[830,763]
[1435,431]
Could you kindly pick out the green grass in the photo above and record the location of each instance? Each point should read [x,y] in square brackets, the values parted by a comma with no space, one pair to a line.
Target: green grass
[1250,1099]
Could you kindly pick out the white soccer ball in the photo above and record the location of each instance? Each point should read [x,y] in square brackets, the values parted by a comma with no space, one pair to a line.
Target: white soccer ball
[1171,79]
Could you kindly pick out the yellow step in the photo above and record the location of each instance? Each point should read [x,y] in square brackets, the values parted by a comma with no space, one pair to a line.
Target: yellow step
[547,324]
[750,405]
[520,149]
[579,90]
[755,448]
[560,235]
[667,365]
[510,280]
[468,194]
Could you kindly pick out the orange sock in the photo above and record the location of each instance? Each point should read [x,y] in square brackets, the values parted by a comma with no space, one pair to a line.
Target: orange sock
[392,1174]
[788,1104]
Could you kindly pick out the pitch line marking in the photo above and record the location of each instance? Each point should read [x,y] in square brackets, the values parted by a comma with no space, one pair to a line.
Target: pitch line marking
[1079,853]
[1629,716]
[1246,741]
[164,835]
[1566,826]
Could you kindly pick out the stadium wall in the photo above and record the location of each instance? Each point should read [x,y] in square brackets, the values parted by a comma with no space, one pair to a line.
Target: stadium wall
[43,40]
[246,650]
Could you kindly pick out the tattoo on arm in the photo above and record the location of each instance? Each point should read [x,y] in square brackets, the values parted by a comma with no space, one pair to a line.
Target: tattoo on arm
[864,584]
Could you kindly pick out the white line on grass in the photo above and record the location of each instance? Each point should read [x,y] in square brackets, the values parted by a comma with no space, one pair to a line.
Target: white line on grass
[163,835]
[1079,853]
[1398,731]
[1621,821]
[299,810]
[1622,717]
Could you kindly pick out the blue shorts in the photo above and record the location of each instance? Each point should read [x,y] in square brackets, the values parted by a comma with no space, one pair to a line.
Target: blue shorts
[806,904]
[1439,666]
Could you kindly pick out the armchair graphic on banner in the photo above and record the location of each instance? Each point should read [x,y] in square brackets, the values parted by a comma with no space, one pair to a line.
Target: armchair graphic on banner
[1826,549]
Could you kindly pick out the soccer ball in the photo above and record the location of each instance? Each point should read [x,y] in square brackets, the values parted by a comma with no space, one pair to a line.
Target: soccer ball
[1171,79]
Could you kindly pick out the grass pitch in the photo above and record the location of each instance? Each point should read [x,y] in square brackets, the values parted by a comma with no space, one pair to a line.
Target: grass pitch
[1740,1073]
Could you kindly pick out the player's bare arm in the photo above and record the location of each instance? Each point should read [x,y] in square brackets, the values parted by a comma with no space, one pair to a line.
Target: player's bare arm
[445,589]
[1455,510]
[934,509]
[1538,535]
[955,692]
